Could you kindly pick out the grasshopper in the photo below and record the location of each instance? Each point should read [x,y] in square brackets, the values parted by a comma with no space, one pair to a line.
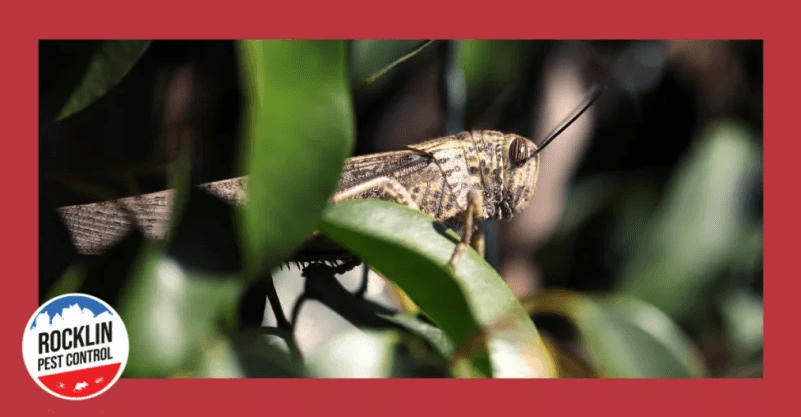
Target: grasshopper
[461,180]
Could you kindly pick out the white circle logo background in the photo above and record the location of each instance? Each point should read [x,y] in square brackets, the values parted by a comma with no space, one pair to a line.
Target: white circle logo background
[75,346]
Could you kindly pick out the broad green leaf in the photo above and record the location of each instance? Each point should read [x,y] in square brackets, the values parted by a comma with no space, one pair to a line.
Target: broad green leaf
[110,63]
[412,249]
[624,337]
[662,348]
[299,129]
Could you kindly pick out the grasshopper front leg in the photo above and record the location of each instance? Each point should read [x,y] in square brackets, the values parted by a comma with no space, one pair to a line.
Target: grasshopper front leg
[470,235]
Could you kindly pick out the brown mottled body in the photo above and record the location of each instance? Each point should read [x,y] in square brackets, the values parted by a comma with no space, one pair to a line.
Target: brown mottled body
[437,174]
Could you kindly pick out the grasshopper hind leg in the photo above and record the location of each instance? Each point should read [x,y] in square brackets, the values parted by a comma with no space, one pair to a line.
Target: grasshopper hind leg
[390,185]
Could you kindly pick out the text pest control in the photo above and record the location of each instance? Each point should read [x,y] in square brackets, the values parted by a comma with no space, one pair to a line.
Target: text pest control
[75,346]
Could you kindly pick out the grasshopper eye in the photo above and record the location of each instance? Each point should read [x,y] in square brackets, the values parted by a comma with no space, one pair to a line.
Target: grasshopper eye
[518,151]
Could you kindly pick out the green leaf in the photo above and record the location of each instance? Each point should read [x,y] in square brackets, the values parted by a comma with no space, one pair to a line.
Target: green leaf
[624,337]
[170,313]
[431,334]
[412,249]
[110,63]
[299,129]
[660,347]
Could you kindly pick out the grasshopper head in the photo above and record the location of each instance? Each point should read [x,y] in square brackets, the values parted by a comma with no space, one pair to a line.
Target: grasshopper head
[521,166]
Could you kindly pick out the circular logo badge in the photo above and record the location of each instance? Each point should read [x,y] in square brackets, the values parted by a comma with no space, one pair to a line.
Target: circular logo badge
[75,346]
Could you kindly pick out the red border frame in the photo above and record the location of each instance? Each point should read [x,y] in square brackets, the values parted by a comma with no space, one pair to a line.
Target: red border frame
[25,23]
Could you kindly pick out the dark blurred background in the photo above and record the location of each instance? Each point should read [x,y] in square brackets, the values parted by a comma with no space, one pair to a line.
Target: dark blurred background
[655,193]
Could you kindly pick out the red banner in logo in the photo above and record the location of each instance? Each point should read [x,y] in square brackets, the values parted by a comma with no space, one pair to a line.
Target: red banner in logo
[81,383]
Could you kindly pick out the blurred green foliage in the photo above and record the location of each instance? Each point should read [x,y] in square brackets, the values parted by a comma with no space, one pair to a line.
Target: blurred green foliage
[96,68]
[687,250]
[698,225]
[622,336]
[299,131]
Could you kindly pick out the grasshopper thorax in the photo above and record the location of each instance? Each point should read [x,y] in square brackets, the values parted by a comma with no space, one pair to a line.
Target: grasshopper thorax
[501,167]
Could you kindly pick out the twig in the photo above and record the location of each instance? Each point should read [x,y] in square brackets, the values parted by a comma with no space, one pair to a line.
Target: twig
[397,62]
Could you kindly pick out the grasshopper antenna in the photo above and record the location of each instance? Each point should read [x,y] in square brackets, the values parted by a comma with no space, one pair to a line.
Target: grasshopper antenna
[593,95]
